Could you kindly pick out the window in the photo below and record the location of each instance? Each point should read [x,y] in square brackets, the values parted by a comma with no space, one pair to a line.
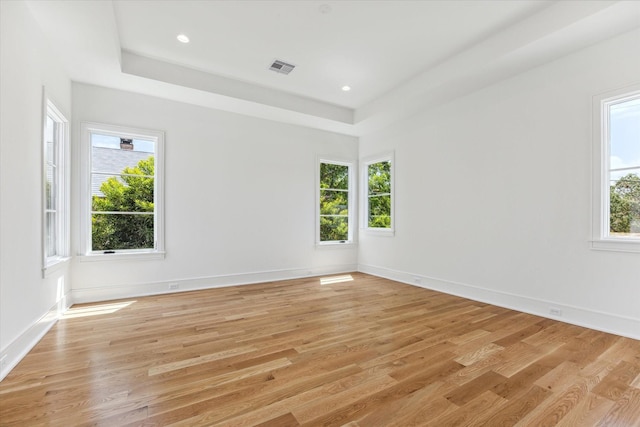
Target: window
[55,192]
[123,205]
[334,209]
[378,191]
[617,166]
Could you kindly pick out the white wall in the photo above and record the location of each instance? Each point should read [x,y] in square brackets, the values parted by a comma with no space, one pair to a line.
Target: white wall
[240,198]
[28,303]
[493,195]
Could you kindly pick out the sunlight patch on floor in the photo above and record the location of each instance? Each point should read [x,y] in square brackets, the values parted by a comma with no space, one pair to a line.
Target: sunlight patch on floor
[336,279]
[95,310]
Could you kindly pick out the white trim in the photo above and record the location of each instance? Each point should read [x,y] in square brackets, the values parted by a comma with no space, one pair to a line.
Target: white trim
[86,129]
[600,238]
[141,255]
[104,293]
[17,349]
[351,200]
[336,245]
[616,245]
[588,318]
[63,206]
[54,267]
[388,156]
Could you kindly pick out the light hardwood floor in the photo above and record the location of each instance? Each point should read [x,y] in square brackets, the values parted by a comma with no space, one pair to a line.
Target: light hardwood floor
[366,352]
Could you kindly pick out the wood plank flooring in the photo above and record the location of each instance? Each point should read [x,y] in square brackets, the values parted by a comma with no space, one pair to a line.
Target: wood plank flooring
[364,352]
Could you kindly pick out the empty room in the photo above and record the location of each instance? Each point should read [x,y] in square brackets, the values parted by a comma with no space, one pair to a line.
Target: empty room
[319,213]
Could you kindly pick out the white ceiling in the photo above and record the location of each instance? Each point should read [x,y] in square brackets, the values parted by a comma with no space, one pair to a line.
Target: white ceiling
[398,56]
[372,46]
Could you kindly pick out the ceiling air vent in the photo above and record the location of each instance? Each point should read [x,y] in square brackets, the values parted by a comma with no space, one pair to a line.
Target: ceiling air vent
[281,67]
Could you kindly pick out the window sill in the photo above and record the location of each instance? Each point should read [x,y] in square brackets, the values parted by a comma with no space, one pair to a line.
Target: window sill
[55,265]
[616,245]
[389,232]
[119,256]
[334,245]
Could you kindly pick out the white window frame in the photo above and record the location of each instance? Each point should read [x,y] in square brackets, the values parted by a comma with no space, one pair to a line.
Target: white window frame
[350,200]
[61,228]
[364,167]
[601,239]
[158,252]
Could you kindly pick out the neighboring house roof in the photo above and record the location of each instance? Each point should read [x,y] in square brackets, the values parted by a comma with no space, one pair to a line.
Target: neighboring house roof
[112,161]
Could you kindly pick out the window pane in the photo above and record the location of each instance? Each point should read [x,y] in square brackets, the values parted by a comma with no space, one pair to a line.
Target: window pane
[51,234]
[334,228]
[624,204]
[50,163]
[334,176]
[123,199]
[380,211]
[379,175]
[624,135]
[50,152]
[379,195]
[51,133]
[118,193]
[122,231]
[54,187]
[109,155]
[334,202]
[624,164]
[50,187]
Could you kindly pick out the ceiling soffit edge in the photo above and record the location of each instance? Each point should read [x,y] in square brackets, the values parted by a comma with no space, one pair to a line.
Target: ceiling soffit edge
[149,68]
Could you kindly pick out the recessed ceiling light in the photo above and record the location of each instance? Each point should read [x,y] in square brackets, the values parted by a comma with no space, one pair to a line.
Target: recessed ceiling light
[346,88]
[183,38]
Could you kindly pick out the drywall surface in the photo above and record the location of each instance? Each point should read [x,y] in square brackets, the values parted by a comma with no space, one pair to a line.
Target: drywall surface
[28,303]
[493,195]
[240,198]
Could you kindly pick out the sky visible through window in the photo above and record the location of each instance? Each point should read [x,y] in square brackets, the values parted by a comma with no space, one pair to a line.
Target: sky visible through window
[625,137]
[106,141]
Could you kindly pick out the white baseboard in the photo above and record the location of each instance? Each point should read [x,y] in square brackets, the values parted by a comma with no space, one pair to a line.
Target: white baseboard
[601,321]
[19,347]
[105,293]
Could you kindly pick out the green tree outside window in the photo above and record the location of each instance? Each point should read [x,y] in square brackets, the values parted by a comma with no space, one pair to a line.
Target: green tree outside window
[334,202]
[124,217]
[379,195]
[624,203]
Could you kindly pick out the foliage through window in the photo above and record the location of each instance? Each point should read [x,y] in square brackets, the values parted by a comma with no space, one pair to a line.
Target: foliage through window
[379,195]
[124,205]
[335,186]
